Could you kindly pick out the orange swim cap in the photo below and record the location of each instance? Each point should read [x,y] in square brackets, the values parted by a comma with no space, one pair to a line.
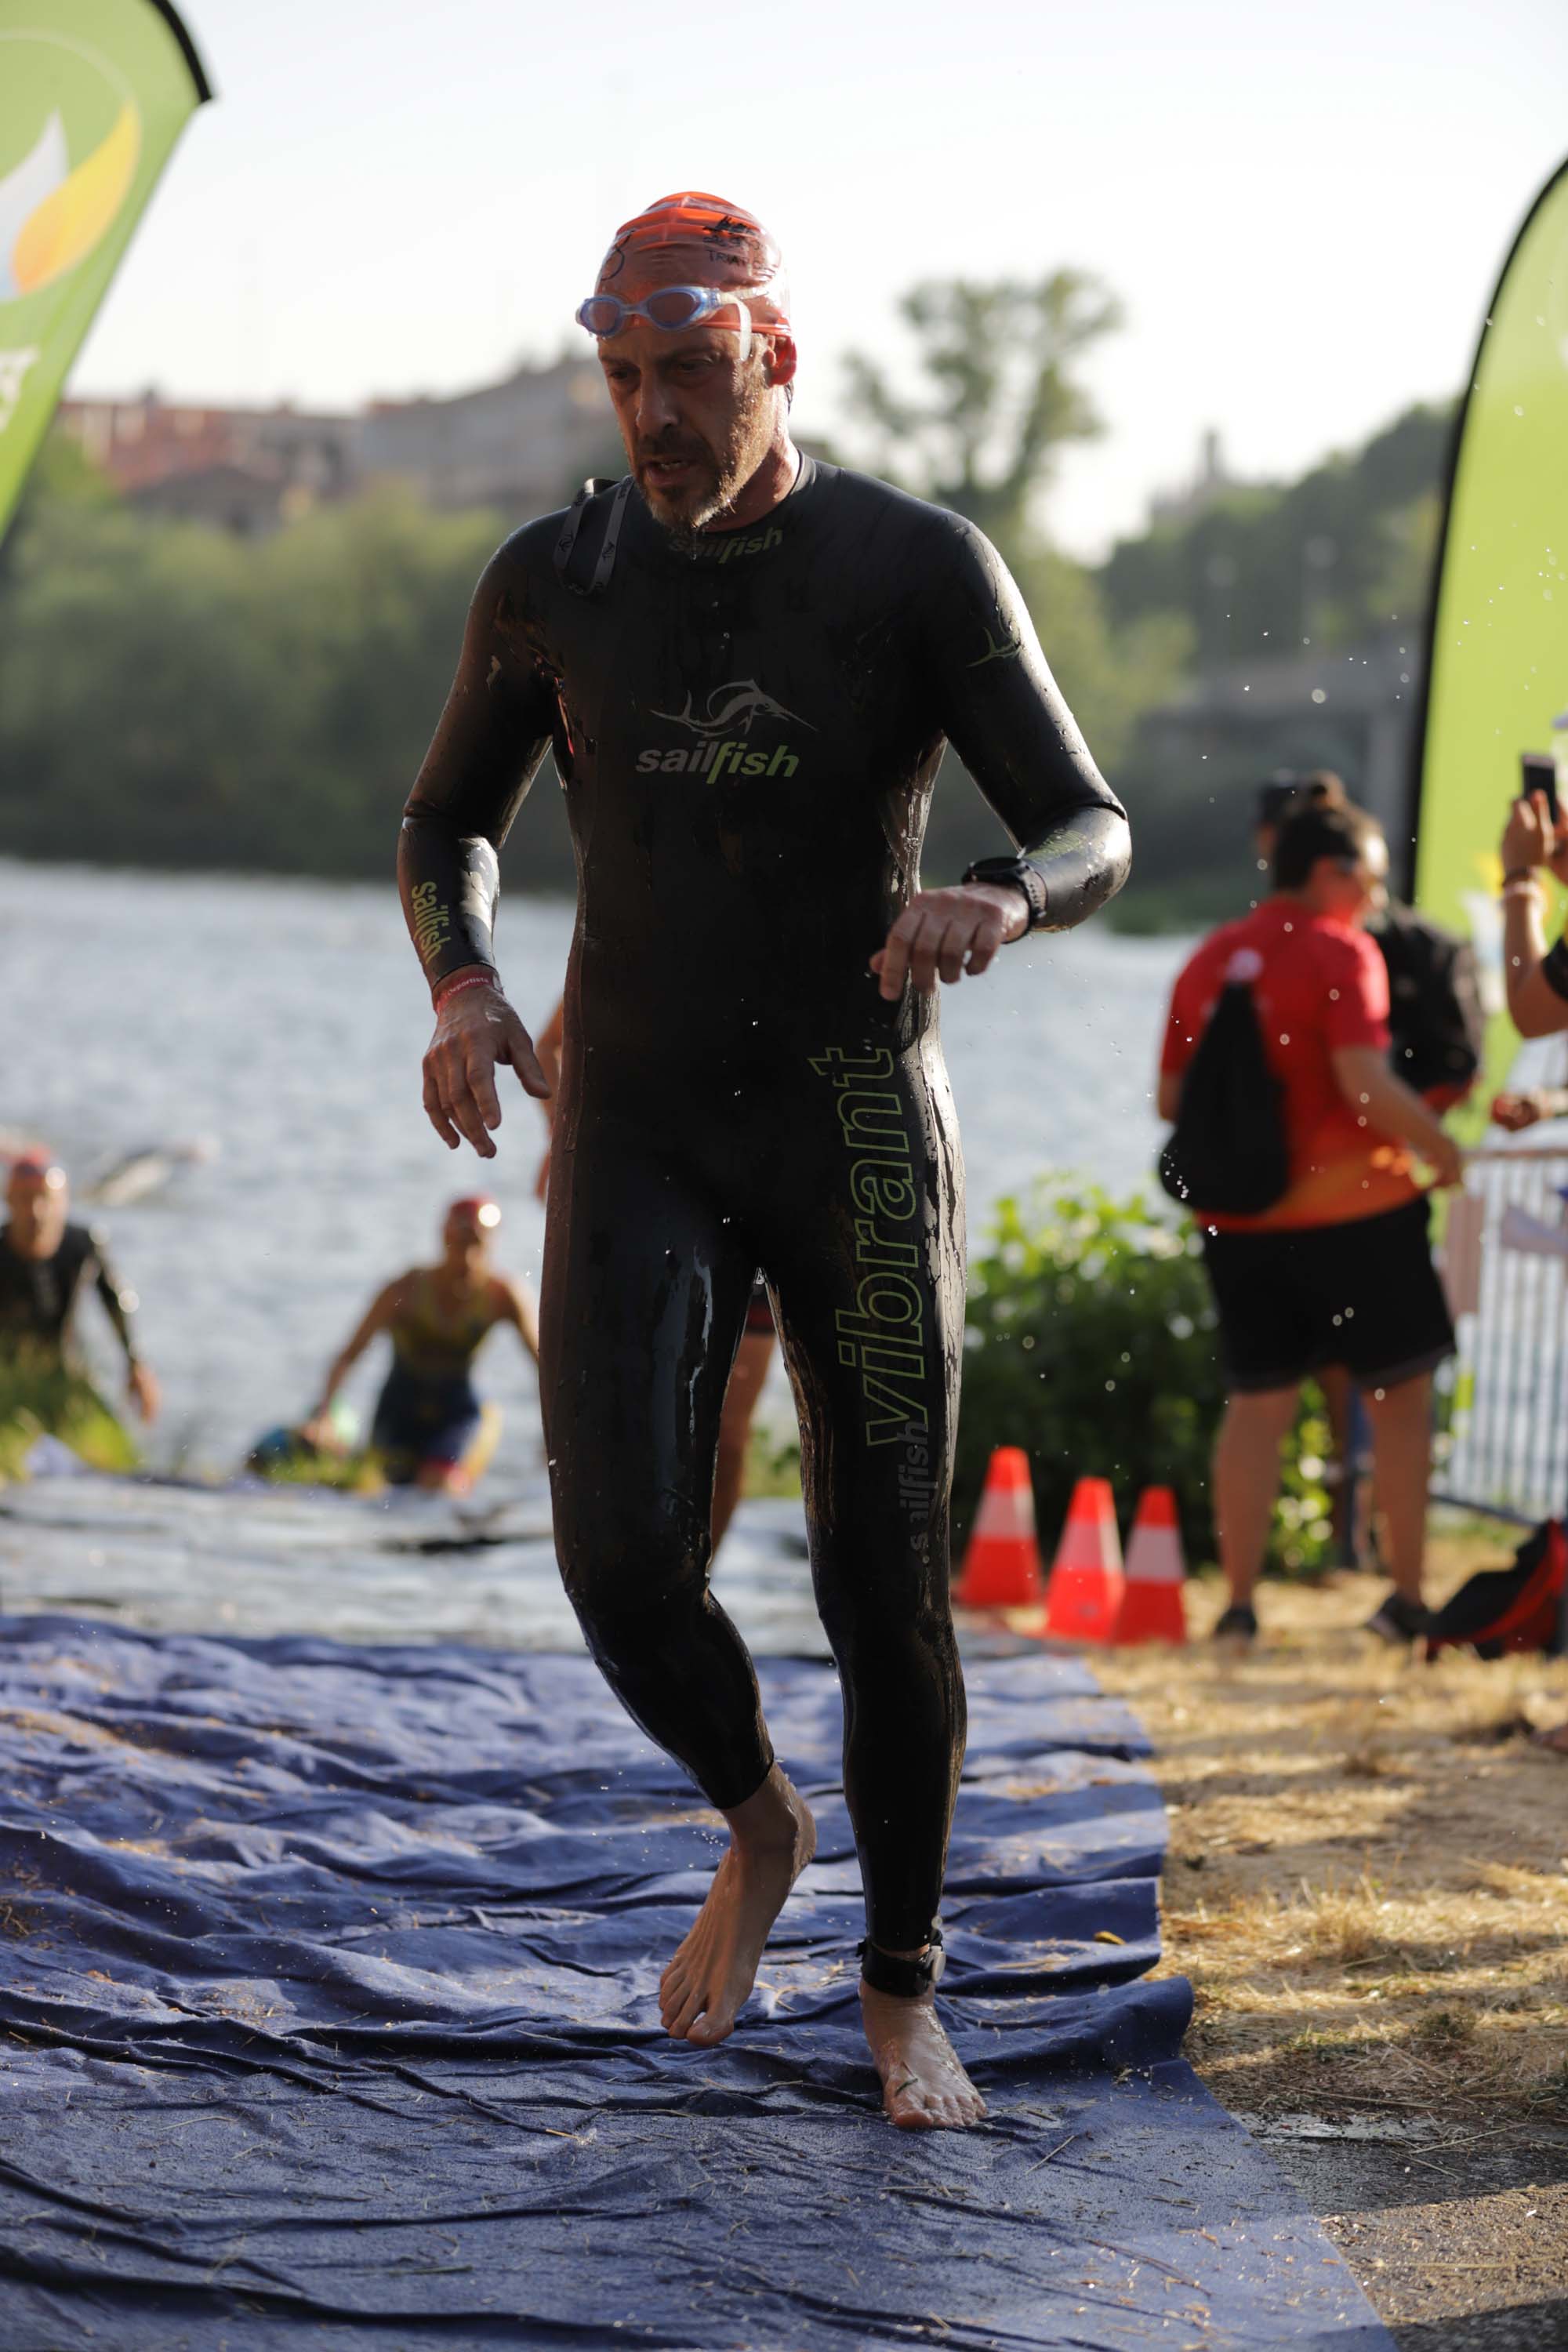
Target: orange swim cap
[727,247]
[38,1168]
[479,1208]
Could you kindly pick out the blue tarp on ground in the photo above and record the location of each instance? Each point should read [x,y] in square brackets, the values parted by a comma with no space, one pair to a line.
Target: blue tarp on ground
[328,1987]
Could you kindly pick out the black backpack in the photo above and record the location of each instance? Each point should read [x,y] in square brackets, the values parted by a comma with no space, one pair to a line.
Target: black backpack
[1435,1013]
[1227,1149]
[1519,1608]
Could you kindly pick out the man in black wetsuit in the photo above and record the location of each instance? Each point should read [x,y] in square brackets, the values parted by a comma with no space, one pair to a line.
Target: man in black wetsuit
[747,664]
[46,1265]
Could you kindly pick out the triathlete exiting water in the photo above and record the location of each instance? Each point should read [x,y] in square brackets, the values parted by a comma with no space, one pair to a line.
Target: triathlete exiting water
[747,664]
[428,1416]
[45,1265]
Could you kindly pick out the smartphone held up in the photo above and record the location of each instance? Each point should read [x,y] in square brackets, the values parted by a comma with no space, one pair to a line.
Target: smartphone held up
[1538,773]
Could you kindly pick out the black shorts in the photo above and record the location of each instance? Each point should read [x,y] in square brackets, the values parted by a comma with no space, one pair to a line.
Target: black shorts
[421,1420]
[1364,1294]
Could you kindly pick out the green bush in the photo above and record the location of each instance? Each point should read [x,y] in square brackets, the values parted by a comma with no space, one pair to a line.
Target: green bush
[1091,1343]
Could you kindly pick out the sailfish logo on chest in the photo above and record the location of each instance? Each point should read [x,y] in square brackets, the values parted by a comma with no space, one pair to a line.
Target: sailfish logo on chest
[722,729]
[737,704]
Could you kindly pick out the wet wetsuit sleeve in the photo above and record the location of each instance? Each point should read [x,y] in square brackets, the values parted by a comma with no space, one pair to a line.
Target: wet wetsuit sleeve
[119,1300]
[493,734]
[1005,716]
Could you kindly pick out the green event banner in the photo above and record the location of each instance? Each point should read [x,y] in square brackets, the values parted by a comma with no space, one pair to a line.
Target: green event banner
[1497,679]
[93,95]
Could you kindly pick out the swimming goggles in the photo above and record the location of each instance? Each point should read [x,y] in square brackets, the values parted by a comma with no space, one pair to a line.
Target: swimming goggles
[670,307]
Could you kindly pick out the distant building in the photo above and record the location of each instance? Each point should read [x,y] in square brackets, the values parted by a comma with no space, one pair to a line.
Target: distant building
[243,470]
[1354,711]
[521,446]
[248,501]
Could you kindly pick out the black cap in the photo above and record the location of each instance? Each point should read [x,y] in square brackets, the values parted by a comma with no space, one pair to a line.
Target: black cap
[1290,787]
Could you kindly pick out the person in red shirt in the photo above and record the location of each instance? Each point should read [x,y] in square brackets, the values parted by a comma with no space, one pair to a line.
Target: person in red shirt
[1437,1032]
[1338,1270]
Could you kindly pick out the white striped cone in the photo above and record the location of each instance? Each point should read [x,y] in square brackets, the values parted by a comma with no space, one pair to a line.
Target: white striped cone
[1002,1566]
[1152,1608]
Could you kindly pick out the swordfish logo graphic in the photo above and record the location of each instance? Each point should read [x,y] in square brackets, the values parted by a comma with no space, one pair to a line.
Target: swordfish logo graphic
[723,728]
[737,704]
[1005,647]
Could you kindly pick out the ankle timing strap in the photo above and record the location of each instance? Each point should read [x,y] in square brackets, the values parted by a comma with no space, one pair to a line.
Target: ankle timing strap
[905,1979]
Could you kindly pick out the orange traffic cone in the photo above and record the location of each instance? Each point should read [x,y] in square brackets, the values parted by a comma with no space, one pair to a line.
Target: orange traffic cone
[1002,1566]
[1152,1607]
[1084,1595]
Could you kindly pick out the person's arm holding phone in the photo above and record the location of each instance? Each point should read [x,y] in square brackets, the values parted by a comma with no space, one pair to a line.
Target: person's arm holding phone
[1533,841]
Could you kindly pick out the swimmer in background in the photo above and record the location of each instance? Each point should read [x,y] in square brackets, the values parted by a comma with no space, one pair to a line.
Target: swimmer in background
[45,1263]
[430,1423]
[749,1372]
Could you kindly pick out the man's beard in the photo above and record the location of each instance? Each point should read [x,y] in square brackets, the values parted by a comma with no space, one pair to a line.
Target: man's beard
[685,514]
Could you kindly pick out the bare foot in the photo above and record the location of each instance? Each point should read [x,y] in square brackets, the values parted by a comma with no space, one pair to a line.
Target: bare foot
[924,2088]
[771,1838]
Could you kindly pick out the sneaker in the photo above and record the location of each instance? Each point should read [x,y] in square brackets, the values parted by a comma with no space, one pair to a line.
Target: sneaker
[1239,1623]
[1400,1621]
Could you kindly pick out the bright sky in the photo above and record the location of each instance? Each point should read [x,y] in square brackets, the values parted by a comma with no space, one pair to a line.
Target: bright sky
[1302,208]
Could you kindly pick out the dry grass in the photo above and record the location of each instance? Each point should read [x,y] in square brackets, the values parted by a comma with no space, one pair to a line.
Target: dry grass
[1366,1883]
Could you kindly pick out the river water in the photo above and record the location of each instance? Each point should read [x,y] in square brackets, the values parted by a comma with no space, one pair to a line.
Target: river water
[281,1023]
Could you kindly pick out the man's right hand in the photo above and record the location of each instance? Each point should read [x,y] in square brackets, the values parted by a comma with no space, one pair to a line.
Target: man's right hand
[476,1029]
[1384,1103]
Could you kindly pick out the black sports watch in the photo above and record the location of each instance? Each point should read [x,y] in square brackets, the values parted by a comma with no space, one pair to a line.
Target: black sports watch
[1021,876]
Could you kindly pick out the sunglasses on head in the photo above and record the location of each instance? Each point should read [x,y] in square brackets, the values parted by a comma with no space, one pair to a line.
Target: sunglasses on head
[669,307]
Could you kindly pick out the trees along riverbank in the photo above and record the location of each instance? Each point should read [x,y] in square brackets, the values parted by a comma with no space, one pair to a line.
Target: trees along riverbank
[173,695]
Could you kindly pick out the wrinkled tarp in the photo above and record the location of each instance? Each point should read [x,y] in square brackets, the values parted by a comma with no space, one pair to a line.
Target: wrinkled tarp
[172,1556]
[328,1987]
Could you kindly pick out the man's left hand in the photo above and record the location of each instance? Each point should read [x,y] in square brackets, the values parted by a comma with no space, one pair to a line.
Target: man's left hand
[142,1388]
[945,933]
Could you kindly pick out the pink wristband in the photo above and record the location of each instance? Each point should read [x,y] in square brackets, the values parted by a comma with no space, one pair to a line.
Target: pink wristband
[470,980]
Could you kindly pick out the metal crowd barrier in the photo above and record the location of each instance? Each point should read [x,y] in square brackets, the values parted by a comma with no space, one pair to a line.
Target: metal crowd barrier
[1505,1264]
